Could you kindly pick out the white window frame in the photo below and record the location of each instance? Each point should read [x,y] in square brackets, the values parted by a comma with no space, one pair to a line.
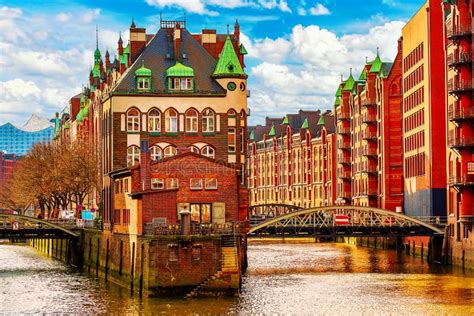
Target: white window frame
[156,153]
[133,153]
[192,121]
[197,185]
[154,121]
[172,183]
[169,151]
[232,148]
[133,121]
[208,121]
[171,122]
[209,152]
[157,183]
[210,184]
[143,83]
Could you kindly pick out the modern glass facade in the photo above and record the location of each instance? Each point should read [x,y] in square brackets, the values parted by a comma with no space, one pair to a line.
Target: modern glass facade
[16,141]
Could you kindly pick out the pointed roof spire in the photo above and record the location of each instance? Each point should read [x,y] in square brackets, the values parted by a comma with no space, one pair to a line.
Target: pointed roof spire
[132,26]
[107,55]
[349,83]
[97,51]
[321,121]
[285,121]
[227,29]
[120,41]
[377,63]
[228,64]
[252,135]
[272,131]
[342,78]
[236,23]
[305,124]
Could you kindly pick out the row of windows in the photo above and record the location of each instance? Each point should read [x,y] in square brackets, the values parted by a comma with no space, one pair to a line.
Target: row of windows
[194,183]
[415,141]
[154,117]
[414,78]
[413,58]
[414,99]
[414,120]
[122,217]
[121,186]
[415,165]
[158,153]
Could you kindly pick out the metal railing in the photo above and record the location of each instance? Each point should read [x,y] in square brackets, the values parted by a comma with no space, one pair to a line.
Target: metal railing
[369,118]
[344,159]
[196,229]
[368,102]
[460,141]
[461,180]
[456,86]
[458,31]
[456,112]
[369,169]
[344,174]
[369,151]
[369,135]
[343,115]
[343,144]
[458,58]
[344,130]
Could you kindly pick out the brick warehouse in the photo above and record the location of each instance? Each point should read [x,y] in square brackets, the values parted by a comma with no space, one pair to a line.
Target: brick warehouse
[369,136]
[460,132]
[292,160]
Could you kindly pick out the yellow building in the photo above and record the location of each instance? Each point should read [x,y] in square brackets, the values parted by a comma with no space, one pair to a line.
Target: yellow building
[424,117]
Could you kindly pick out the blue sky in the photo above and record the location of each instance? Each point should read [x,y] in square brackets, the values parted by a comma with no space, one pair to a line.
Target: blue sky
[297,49]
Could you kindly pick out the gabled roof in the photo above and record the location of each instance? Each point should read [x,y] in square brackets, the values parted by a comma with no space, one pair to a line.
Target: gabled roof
[158,56]
[349,83]
[143,71]
[179,70]
[376,64]
[228,64]
[272,131]
[305,123]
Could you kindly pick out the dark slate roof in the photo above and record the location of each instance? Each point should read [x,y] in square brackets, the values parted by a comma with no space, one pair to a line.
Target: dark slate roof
[386,67]
[295,121]
[155,58]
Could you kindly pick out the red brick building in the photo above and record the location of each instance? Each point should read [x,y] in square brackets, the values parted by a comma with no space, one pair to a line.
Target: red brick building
[460,130]
[369,136]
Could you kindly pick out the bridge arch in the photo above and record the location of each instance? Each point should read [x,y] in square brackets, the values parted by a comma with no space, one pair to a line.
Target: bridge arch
[28,223]
[344,220]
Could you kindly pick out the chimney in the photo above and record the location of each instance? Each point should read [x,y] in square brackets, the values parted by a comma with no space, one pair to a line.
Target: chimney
[177,35]
[145,178]
[137,41]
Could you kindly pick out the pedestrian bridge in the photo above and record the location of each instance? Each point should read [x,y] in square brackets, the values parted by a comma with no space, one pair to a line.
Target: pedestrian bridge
[280,220]
[26,227]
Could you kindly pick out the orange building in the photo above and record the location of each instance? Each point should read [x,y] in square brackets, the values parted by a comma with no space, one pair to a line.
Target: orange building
[460,129]
[369,136]
[293,162]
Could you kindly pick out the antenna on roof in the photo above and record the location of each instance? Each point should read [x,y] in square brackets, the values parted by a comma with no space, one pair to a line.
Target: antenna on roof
[227,29]
[350,70]
[96,36]
[366,60]
[377,50]
[342,78]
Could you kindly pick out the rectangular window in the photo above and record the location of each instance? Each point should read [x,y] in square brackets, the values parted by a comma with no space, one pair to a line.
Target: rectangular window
[172,183]
[470,167]
[117,217]
[211,184]
[157,184]
[231,140]
[126,217]
[201,213]
[126,185]
[195,184]
[173,253]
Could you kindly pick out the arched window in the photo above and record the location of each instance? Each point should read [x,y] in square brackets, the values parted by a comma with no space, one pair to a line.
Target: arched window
[154,121]
[208,151]
[133,120]
[191,121]
[133,155]
[156,153]
[171,121]
[194,149]
[169,151]
[208,121]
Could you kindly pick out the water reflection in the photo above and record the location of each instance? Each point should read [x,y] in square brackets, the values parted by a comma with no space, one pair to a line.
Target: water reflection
[282,278]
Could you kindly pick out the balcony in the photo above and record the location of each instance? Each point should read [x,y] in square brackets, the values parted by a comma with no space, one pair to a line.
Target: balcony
[458,31]
[460,142]
[344,195]
[369,135]
[369,193]
[369,151]
[459,58]
[344,160]
[344,174]
[368,103]
[369,118]
[466,180]
[459,86]
[456,113]
[343,130]
[343,115]
[344,145]
[370,169]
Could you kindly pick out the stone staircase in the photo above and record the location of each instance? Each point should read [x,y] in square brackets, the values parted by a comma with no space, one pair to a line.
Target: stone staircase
[226,277]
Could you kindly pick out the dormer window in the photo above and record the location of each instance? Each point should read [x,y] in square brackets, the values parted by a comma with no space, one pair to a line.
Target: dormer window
[143,78]
[180,78]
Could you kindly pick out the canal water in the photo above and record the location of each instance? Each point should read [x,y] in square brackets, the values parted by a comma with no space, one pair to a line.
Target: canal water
[298,279]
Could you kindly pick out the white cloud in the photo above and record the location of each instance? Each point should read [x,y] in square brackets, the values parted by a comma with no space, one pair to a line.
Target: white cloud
[319,9]
[202,6]
[90,15]
[301,11]
[305,73]
[63,17]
